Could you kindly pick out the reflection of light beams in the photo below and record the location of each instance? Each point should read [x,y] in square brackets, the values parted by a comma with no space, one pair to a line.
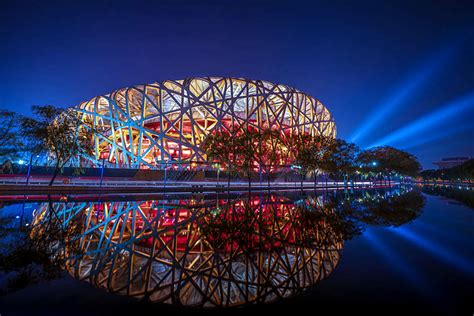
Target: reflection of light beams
[403,92]
[448,131]
[432,230]
[436,118]
[395,261]
[439,251]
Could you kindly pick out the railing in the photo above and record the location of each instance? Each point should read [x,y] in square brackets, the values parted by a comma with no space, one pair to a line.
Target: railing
[174,183]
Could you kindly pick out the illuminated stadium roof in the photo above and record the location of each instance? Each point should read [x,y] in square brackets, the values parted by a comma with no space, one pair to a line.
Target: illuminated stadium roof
[146,125]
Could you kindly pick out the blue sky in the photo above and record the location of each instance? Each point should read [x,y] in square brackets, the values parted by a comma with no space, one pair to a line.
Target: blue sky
[392,72]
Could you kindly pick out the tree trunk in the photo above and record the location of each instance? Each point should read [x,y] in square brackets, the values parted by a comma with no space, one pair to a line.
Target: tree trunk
[315,175]
[55,174]
[50,207]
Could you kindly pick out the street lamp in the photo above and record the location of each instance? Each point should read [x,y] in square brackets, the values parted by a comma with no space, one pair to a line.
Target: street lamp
[22,162]
[218,166]
[103,156]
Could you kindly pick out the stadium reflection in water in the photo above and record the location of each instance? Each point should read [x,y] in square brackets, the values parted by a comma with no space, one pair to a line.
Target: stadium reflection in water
[221,252]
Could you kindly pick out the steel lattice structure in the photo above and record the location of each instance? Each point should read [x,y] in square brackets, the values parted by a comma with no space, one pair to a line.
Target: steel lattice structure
[147,125]
[197,253]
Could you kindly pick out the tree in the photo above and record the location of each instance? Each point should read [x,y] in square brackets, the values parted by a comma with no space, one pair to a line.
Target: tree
[247,140]
[341,159]
[461,172]
[311,153]
[269,153]
[220,147]
[322,148]
[10,142]
[387,160]
[302,150]
[60,133]
[244,150]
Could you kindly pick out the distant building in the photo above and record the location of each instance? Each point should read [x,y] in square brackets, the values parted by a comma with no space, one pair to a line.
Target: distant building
[450,162]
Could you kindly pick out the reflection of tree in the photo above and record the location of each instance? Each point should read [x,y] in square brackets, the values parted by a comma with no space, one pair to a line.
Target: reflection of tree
[462,195]
[350,216]
[40,252]
[266,223]
[339,216]
[395,210]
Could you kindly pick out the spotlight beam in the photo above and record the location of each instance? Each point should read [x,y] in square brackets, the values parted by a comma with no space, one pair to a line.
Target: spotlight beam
[437,135]
[405,90]
[433,119]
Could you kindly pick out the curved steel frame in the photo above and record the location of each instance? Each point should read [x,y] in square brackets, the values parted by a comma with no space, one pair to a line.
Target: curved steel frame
[147,125]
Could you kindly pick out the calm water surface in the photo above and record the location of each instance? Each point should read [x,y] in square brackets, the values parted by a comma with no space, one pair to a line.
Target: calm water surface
[392,251]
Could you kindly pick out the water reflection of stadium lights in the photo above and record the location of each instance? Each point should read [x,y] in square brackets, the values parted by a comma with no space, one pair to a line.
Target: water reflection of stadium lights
[442,253]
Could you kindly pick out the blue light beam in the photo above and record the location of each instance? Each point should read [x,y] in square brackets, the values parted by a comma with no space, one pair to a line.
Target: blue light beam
[405,90]
[437,117]
[448,131]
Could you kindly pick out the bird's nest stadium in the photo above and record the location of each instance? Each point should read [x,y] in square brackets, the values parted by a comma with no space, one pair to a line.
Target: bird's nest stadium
[148,125]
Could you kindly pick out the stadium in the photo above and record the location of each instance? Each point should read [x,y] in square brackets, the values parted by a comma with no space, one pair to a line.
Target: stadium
[152,125]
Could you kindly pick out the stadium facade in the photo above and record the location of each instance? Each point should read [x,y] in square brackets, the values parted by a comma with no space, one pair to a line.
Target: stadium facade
[152,125]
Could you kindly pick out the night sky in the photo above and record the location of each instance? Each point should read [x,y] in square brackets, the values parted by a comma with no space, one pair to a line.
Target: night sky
[399,73]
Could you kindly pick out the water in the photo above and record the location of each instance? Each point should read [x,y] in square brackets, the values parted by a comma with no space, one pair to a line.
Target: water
[392,251]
